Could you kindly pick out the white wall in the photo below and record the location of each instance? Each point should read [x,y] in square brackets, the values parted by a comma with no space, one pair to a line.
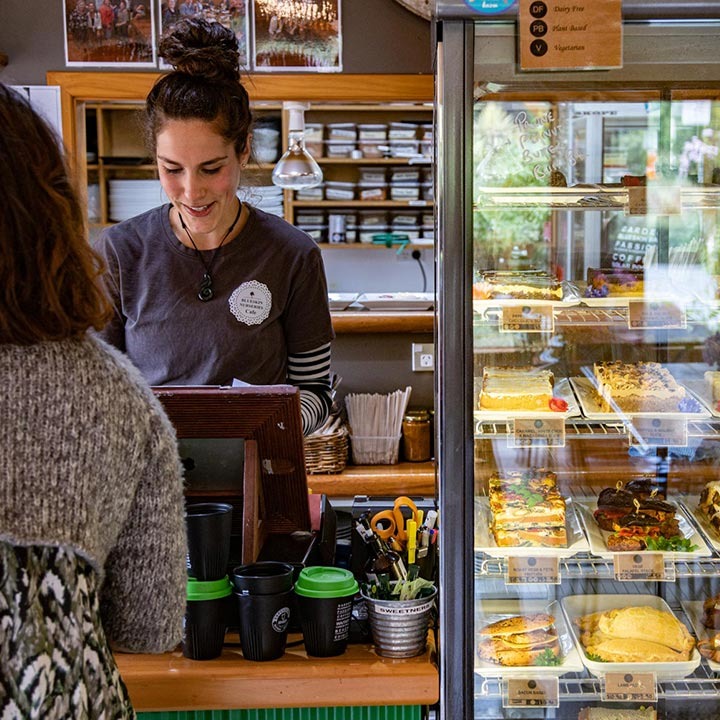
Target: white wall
[377,270]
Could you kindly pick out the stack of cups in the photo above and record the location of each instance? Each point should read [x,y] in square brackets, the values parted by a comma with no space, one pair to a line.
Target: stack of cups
[264,594]
[208,588]
[325,597]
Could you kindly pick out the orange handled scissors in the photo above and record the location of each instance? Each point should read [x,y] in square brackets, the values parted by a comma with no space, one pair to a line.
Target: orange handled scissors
[390,524]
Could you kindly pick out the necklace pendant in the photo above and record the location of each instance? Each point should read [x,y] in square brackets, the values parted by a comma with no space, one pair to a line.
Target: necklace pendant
[206,292]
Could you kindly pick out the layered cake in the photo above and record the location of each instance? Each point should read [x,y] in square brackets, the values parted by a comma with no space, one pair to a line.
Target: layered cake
[527,509]
[520,388]
[519,285]
[637,387]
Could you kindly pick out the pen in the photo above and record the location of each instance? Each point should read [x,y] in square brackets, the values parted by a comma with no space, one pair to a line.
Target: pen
[411,540]
[430,519]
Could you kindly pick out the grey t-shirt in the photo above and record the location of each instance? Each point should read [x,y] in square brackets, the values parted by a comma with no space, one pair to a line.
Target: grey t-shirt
[270,300]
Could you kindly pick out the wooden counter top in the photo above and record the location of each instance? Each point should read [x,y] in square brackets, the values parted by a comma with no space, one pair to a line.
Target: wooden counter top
[401,479]
[383,322]
[358,677]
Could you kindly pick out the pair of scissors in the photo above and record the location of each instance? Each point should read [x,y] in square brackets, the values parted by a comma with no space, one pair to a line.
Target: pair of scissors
[390,524]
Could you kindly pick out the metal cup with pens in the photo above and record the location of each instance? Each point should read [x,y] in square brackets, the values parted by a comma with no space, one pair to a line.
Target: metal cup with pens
[407,525]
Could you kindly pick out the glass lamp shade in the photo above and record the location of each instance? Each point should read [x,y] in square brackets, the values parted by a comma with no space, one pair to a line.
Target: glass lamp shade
[296,169]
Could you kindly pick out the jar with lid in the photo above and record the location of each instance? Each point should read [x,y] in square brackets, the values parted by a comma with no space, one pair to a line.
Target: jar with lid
[416,436]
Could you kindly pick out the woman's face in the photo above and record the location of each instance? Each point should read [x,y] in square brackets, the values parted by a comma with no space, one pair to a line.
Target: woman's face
[200,172]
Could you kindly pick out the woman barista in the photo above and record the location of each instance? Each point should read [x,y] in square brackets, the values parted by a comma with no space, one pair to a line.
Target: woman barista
[208,289]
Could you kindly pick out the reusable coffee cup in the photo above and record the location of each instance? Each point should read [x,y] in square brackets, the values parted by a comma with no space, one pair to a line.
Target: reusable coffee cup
[205,618]
[265,599]
[324,597]
[208,527]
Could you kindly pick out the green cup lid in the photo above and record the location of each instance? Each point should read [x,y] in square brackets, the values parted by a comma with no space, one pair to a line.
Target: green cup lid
[325,582]
[208,589]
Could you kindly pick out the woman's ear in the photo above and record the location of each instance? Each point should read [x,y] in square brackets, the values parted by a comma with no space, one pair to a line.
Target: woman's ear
[245,154]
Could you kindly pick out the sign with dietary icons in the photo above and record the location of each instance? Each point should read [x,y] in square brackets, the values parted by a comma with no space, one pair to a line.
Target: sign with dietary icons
[570,34]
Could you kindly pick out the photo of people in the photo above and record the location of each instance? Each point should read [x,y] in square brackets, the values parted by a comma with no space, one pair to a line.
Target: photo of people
[109,32]
[297,35]
[231,14]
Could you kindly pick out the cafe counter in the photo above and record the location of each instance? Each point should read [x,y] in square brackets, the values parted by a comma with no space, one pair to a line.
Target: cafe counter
[357,678]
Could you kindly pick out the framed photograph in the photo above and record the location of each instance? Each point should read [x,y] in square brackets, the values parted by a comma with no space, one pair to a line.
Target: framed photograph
[109,32]
[232,14]
[302,35]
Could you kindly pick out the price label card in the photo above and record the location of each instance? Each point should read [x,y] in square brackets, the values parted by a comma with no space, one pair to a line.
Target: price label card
[531,692]
[661,314]
[654,200]
[658,431]
[637,200]
[622,687]
[527,318]
[523,570]
[537,432]
[631,567]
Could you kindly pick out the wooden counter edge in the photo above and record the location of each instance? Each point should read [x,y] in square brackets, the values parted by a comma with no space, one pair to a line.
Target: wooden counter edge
[357,678]
[401,479]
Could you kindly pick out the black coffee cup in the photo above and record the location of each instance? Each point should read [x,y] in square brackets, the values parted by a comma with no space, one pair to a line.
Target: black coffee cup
[325,596]
[265,599]
[263,578]
[208,528]
[205,618]
[264,621]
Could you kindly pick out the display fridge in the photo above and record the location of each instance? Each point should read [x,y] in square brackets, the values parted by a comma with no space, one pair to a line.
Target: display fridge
[578,364]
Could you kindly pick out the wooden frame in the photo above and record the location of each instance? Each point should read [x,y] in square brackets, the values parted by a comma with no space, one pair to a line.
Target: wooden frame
[267,417]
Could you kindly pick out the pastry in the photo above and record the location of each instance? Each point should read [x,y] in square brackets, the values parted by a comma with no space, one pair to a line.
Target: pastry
[635,634]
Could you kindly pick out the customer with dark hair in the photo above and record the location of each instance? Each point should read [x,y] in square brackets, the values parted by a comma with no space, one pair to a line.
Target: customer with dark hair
[208,289]
[92,537]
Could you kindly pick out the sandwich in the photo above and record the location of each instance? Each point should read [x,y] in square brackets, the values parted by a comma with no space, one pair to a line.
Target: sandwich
[635,634]
[521,640]
[600,713]
[615,503]
[527,509]
[638,530]
[530,536]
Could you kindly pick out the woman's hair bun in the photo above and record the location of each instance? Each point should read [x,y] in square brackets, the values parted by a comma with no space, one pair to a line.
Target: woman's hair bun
[198,47]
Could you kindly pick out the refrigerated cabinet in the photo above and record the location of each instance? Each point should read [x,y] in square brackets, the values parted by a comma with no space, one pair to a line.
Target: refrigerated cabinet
[576,181]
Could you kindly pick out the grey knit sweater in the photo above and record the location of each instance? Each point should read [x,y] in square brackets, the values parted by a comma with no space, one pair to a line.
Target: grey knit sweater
[89,461]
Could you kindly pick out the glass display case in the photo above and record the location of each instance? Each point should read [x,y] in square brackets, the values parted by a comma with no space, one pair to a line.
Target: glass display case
[578,356]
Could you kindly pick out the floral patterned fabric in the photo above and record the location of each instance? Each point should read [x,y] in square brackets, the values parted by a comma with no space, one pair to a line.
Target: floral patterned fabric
[54,659]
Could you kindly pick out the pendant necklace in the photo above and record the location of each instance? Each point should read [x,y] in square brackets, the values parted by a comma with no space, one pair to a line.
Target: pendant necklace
[206,292]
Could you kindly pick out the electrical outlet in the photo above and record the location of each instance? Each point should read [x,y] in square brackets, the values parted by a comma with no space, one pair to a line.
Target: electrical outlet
[404,255]
[423,357]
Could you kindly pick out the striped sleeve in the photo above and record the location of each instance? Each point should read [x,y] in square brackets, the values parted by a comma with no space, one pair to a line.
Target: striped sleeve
[310,371]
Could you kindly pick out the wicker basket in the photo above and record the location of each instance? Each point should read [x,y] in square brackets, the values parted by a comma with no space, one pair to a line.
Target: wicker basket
[326,453]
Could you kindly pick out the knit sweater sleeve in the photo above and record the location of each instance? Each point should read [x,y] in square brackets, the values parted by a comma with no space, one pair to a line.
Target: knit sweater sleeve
[142,609]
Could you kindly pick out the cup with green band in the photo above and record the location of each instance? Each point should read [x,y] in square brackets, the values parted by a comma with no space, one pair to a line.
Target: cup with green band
[325,597]
[205,617]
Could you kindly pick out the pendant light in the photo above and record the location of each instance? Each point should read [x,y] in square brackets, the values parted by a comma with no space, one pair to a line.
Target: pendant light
[296,169]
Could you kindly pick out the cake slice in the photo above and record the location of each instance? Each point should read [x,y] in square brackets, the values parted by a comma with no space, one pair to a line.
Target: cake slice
[636,387]
[520,388]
